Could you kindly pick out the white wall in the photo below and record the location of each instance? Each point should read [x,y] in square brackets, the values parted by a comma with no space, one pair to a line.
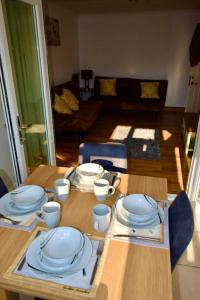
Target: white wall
[63,59]
[141,45]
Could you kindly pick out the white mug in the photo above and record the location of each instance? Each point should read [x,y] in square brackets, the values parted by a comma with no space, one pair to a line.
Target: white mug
[62,187]
[101,217]
[102,189]
[50,214]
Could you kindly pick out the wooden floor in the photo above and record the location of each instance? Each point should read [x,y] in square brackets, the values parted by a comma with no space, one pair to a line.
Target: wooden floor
[173,164]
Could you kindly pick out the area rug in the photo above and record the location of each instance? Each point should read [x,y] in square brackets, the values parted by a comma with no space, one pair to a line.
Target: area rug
[142,143]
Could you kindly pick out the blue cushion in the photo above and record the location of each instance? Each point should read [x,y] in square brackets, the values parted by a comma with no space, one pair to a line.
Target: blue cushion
[181,226]
[112,156]
[108,165]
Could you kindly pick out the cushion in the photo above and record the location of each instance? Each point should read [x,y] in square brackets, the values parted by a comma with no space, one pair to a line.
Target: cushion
[60,106]
[107,87]
[70,99]
[149,90]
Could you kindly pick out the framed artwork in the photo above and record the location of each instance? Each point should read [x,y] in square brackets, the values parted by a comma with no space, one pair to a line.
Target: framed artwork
[52,31]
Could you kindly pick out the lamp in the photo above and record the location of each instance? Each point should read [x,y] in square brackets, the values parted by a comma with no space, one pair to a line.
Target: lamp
[86,75]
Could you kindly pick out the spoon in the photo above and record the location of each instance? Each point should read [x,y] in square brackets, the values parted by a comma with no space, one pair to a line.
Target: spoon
[11,220]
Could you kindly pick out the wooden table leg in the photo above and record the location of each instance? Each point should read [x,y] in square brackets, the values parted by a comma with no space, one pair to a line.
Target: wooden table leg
[5,295]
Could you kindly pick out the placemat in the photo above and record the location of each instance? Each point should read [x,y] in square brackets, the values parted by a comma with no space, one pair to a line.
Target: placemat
[81,280]
[27,222]
[157,236]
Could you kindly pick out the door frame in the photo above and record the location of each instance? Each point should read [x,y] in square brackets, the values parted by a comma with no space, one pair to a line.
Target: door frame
[10,88]
[193,182]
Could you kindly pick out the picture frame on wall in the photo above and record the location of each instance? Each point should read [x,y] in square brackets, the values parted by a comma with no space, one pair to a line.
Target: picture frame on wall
[52,31]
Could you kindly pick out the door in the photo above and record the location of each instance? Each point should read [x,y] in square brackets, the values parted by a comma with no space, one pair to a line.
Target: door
[25,70]
[193,98]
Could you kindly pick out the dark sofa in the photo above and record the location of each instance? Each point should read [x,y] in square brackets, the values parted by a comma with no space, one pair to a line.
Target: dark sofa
[128,95]
[78,121]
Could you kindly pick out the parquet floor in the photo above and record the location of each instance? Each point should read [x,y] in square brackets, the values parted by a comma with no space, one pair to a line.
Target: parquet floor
[172,164]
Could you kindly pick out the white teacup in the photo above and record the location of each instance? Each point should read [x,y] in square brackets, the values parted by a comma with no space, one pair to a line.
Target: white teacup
[101,217]
[50,214]
[102,189]
[62,187]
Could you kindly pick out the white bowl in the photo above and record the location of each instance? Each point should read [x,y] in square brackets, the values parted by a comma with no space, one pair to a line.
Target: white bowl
[63,244]
[27,195]
[60,262]
[89,172]
[138,206]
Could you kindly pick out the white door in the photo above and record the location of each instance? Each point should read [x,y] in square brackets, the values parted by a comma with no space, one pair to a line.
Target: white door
[24,63]
[193,97]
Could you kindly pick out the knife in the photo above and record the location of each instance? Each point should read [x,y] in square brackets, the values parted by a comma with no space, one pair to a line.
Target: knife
[69,173]
[139,237]
[20,266]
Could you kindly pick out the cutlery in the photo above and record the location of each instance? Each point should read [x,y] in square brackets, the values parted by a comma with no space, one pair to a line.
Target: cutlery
[11,220]
[44,272]
[139,237]
[99,251]
[113,180]
[21,264]
[67,175]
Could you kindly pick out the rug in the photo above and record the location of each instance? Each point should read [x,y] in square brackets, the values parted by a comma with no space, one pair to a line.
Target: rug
[142,143]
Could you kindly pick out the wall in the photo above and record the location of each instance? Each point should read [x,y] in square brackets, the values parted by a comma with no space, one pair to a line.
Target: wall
[142,45]
[6,166]
[63,59]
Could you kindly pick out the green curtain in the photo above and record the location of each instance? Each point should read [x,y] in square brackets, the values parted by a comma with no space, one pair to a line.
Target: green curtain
[20,24]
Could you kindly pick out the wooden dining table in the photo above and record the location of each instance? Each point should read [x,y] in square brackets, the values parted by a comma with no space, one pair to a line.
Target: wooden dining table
[127,271]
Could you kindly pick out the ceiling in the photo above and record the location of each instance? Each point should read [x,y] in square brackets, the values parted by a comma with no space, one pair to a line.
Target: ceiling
[104,6]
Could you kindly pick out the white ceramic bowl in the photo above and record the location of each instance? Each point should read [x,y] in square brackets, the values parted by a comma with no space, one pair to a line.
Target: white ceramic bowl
[27,195]
[64,243]
[89,172]
[139,207]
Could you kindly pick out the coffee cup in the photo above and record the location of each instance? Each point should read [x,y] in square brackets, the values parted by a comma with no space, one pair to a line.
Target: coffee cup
[50,214]
[61,187]
[102,189]
[101,217]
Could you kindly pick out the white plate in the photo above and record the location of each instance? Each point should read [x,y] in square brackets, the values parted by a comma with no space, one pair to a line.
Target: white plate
[33,258]
[154,222]
[7,209]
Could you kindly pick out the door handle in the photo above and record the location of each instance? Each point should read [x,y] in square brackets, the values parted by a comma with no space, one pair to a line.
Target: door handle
[26,126]
[193,83]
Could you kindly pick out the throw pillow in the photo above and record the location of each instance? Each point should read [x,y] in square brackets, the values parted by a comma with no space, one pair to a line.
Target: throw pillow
[70,99]
[107,87]
[60,106]
[149,90]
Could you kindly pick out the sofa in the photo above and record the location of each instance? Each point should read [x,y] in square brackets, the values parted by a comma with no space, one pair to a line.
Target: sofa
[78,121]
[128,95]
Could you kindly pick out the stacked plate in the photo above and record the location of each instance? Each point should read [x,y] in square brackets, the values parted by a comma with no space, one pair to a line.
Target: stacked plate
[63,250]
[23,200]
[139,211]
